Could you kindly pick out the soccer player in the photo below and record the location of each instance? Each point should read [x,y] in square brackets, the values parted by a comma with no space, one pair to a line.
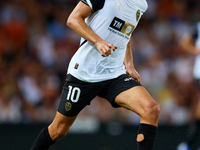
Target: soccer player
[191,43]
[103,65]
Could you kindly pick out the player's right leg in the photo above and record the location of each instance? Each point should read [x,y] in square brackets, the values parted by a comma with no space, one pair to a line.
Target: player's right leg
[75,96]
[54,132]
[60,126]
[194,130]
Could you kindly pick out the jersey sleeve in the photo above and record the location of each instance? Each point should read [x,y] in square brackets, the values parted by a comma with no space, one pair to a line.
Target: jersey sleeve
[94,4]
[194,32]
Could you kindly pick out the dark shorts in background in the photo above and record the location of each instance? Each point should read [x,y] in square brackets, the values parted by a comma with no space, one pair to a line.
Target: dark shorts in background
[76,94]
[197,83]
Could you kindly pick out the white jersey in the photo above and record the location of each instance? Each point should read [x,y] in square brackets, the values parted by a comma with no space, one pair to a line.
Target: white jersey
[114,21]
[197,59]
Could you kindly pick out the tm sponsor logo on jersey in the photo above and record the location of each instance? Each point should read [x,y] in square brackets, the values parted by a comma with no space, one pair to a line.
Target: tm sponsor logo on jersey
[128,79]
[121,27]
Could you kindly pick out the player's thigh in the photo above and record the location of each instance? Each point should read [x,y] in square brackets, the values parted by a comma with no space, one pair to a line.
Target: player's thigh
[197,113]
[60,125]
[136,99]
[198,110]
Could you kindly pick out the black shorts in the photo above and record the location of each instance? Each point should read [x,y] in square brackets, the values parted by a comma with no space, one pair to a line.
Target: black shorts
[197,83]
[76,94]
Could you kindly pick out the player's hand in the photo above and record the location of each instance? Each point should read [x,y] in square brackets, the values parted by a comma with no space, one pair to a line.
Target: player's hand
[134,74]
[198,52]
[105,47]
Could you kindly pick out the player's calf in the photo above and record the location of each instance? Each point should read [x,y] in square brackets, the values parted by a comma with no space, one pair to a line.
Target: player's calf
[147,129]
[43,141]
[146,137]
[57,130]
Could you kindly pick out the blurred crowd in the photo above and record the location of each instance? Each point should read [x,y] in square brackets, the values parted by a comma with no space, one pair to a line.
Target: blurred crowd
[36,47]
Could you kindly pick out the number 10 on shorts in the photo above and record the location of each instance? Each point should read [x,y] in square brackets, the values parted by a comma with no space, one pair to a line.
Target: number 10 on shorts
[73,94]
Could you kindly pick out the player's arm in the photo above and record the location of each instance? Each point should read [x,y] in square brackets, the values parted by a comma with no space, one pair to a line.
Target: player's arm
[128,61]
[76,21]
[187,43]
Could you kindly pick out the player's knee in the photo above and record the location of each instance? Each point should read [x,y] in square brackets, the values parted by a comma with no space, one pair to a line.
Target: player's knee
[60,133]
[151,110]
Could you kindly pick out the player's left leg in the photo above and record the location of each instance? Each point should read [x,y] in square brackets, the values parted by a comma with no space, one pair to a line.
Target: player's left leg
[138,100]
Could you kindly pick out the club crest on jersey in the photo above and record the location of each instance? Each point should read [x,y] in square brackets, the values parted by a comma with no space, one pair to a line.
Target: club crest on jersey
[138,15]
[122,26]
[76,66]
[68,106]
